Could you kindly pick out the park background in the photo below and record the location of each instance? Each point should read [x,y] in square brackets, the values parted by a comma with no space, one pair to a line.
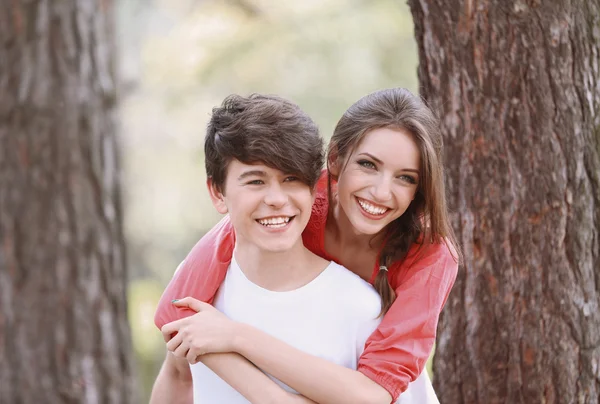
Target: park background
[103,105]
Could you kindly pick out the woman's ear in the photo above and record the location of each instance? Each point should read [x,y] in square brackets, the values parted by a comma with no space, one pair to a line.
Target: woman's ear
[333,165]
[217,197]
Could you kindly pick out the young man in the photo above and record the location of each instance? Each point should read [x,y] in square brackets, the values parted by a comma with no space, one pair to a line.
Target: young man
[263,159]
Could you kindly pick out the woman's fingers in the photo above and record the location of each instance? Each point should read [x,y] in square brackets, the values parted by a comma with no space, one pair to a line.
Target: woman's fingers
[174,342]
[168,330]
[193,356]
[182,350]
[191,303]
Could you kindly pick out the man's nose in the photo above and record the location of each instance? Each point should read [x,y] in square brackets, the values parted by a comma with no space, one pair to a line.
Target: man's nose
[276,196]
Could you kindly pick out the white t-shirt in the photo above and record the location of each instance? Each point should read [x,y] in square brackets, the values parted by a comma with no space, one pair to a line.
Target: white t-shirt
[330,317]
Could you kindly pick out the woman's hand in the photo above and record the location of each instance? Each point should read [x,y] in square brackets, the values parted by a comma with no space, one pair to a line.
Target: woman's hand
[207,331]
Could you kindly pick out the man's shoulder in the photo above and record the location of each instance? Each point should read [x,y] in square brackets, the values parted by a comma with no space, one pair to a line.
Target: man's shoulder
[355,293]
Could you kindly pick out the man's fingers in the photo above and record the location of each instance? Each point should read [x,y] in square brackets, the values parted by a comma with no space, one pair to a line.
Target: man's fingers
[191,303]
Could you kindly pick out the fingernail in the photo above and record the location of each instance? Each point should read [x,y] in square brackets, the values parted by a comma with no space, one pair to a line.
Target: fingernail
[174,300]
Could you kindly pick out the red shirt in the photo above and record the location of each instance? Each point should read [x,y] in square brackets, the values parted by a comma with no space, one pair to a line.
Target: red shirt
[395,354]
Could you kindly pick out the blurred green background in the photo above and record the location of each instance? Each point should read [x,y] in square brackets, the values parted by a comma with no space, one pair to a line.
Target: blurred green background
[179,58]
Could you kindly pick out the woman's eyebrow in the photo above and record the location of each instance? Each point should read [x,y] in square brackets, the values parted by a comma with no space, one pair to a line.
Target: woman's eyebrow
[375,159]
[371,157]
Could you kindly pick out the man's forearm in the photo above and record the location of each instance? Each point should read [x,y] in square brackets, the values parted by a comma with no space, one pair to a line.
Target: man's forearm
[317,378]
[249,381]
[172,386]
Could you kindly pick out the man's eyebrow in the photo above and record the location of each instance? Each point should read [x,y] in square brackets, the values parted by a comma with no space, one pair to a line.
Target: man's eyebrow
[251,173]
[375,159]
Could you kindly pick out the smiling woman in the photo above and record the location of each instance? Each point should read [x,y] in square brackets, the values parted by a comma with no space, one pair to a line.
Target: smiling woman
[379,181]
[386,147]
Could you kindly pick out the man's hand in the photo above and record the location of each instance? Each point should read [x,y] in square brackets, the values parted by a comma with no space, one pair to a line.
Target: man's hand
[207,331]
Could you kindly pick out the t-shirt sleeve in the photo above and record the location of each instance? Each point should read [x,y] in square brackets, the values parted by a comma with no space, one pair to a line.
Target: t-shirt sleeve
[200,274]
[395,354]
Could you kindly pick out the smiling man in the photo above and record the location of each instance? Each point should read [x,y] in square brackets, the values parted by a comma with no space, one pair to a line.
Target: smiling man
[263,159]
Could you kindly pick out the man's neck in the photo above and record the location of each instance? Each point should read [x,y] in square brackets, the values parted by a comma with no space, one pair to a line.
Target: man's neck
[280,271]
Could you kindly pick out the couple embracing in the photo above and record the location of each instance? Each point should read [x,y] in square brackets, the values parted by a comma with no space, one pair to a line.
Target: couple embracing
[319,286]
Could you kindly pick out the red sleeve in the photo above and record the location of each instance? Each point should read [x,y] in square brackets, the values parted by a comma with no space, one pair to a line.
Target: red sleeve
[200,274]
[395,354]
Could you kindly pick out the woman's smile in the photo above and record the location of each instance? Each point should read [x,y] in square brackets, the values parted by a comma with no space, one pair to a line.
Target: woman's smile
[372,210]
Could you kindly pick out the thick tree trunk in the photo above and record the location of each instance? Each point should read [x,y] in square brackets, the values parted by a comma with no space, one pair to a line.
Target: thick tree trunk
[517,86]
[64,336]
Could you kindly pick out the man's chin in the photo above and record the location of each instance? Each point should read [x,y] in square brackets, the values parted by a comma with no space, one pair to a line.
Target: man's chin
[277,246]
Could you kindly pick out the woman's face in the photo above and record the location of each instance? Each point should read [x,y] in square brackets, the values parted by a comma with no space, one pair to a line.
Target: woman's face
[380,179]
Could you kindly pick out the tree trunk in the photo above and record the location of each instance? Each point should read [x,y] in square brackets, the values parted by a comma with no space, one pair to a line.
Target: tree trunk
[64,336]
[516,84]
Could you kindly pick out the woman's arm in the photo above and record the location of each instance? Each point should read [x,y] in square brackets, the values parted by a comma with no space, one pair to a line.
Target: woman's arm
[396,353]
[201,273]
[316,378]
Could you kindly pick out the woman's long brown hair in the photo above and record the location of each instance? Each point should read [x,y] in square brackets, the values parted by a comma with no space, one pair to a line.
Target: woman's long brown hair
[426,220]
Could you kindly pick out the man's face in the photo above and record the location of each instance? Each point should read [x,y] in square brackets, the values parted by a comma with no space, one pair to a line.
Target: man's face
[268,208]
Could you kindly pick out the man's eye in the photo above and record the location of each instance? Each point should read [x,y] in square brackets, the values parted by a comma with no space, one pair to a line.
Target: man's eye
[291,178]
[255,182]
[366,164]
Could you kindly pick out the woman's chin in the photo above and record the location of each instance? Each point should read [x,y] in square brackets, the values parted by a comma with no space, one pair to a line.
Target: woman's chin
[364,228]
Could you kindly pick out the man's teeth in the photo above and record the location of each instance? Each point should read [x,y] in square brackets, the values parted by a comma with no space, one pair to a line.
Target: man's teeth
[372,209]
[274,221]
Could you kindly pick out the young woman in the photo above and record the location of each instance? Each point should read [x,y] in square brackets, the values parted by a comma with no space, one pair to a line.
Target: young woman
[380,211]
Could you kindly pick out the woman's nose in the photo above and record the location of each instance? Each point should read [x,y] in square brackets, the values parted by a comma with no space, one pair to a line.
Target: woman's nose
[382,191]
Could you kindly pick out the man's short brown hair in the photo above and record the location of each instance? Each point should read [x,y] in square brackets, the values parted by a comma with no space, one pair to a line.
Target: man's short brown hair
[262,129]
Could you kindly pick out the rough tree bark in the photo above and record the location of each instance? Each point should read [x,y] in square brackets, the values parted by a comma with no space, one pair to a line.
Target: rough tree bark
[517,86]
[64,336]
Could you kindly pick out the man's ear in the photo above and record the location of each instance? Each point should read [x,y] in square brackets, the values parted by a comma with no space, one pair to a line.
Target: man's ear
[217,197]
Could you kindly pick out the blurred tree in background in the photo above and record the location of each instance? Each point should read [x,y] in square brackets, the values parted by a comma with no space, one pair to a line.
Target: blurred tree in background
[517,85]
[179,58]
[64,336]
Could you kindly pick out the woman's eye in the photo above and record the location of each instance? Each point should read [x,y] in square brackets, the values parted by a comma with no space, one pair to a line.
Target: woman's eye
[408,178]
[366,164]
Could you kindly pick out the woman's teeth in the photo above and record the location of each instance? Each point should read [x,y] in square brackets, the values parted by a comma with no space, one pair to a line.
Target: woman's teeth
[372,209]
[274,222]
